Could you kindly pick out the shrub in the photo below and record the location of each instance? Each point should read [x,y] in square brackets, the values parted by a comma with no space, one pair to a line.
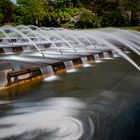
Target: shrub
[87,19]
[115,18]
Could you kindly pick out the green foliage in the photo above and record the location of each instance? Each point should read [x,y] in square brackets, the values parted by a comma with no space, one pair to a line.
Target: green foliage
[115,18]
[1,18]
[39,9]
[6,10]
[23,15]
[61,17]
[133,6]
[71,13]
[87,19]
[136,28]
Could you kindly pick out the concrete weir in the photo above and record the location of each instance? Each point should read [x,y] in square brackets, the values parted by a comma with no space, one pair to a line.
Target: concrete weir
[29,52]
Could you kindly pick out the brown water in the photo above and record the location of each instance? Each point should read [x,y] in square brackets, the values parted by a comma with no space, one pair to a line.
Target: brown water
[101,102]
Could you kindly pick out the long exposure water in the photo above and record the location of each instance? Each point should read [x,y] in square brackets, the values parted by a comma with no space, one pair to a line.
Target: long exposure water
[101,102]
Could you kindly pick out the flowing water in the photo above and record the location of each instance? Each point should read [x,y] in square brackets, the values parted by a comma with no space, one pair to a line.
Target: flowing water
[69,66]
[115,54]
[85,62]
[106,55]
[7,50]
[97,58]
[48,70]
[95,103]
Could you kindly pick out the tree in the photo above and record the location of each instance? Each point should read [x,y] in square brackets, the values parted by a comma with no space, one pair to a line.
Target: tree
[85,13]
[31,12]
[87,19]
[115,18]
[133,6]
[6,11]
[23,15]
[40,10]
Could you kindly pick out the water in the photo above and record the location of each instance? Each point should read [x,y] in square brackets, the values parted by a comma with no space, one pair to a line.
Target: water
[97,58]
[102,39]
[100,103]
[7,50]
[47,71]
[69,66]
[106,55]
[85,62]
[105,38]
[115,54]
[95,103]
[51,78]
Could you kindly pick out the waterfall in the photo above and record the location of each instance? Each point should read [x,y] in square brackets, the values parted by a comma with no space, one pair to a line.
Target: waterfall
[115,54]
[47,70]
[48,74]
[97,58]
[7,50]
[26,48]
[106,55]
[69,66]
[85,62]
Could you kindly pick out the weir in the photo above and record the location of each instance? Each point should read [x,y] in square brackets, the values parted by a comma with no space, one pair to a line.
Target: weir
[49,50]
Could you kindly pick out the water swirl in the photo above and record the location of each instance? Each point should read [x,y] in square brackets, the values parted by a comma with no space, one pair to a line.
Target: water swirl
[58,119]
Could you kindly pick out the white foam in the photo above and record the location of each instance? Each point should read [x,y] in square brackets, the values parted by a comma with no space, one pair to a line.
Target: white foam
[71,70]
[98,61]
[107,58]
[87,65]
[52,78]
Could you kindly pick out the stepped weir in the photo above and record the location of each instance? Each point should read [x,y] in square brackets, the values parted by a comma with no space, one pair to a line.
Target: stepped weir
[28,52]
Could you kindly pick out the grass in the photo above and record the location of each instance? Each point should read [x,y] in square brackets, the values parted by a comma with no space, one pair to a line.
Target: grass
[136,28]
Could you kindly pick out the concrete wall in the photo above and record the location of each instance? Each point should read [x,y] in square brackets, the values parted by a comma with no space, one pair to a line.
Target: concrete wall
[3,77]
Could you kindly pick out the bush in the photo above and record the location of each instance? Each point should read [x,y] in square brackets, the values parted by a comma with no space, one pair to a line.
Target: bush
[115,18]
[134,19]
[61,17]
[87,19]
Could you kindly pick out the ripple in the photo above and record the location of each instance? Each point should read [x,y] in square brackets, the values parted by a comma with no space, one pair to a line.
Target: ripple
[58,118]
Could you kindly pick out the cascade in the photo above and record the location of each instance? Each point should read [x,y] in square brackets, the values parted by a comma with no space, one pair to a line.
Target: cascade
[69,66]
[85,62]
[7,50]
[97,58]
[47,70]
[106,55]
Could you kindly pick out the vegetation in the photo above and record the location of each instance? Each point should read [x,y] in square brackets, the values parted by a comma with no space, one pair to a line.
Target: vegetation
[137,28]
[71,13]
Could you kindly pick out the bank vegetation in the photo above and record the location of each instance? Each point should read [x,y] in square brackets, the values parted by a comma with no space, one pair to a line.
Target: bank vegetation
[71,13]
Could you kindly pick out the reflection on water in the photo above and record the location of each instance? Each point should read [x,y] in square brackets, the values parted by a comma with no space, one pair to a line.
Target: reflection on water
[100,103]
